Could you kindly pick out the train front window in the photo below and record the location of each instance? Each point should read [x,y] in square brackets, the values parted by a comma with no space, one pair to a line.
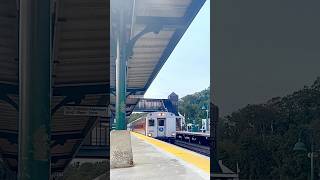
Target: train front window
[151,122]
[161,122]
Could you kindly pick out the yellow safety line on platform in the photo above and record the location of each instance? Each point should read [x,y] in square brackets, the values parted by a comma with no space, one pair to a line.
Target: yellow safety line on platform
[189,157]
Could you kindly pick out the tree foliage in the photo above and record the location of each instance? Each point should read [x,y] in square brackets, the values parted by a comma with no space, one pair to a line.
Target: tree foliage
[191,106]
[261,137]
[135,116]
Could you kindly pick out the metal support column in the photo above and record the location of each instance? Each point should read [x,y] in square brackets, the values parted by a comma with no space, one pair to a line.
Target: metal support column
[121,74]
[312,157]
[35,89]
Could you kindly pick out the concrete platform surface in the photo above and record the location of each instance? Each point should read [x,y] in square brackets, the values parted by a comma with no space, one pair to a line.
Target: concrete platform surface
[154,163]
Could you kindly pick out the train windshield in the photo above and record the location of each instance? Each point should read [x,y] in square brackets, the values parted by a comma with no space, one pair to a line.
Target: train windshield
[151,122]
[161,122]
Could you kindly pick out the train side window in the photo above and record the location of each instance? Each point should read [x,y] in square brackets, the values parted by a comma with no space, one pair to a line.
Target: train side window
[151,122]
[161,122]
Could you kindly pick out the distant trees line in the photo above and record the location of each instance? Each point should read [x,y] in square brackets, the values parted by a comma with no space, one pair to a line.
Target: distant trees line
[135,116]
[191,106]
[261,137]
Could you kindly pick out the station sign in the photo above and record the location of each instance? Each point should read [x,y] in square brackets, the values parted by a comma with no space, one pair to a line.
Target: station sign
[97,111]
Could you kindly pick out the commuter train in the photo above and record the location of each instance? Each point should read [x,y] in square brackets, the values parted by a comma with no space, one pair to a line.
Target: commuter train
[159,125]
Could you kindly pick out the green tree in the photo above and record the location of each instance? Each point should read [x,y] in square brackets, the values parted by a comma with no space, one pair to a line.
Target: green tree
[260,137]
[191,105]
[135,116]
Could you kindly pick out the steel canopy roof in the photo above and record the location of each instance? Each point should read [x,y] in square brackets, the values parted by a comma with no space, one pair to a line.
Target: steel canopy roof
[81,62]
[151,50]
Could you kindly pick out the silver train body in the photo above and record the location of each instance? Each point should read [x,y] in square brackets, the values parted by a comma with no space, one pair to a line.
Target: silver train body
[160,125]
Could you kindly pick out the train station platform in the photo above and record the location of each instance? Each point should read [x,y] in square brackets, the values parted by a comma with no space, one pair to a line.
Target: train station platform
[157,160]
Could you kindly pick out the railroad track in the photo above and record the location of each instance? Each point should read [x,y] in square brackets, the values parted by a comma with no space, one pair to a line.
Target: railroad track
[204,150]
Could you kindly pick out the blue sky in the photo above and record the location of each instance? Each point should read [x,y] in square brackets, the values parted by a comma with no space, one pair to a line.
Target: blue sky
[187,70]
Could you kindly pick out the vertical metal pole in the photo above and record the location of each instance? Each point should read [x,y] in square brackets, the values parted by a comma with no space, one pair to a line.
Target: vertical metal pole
[35,89]
[207,120]
[121,68]
[311,159]
[312,168]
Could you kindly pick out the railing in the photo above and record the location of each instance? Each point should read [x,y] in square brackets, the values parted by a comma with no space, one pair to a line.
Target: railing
[99,135]
[96,145]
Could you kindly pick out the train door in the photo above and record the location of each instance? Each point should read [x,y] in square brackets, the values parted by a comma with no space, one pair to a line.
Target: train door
[171,126]
[178,124]
[161,127]
[151,128]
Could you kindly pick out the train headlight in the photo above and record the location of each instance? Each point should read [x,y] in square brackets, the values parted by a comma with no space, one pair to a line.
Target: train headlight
[173,134]
[149,134]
